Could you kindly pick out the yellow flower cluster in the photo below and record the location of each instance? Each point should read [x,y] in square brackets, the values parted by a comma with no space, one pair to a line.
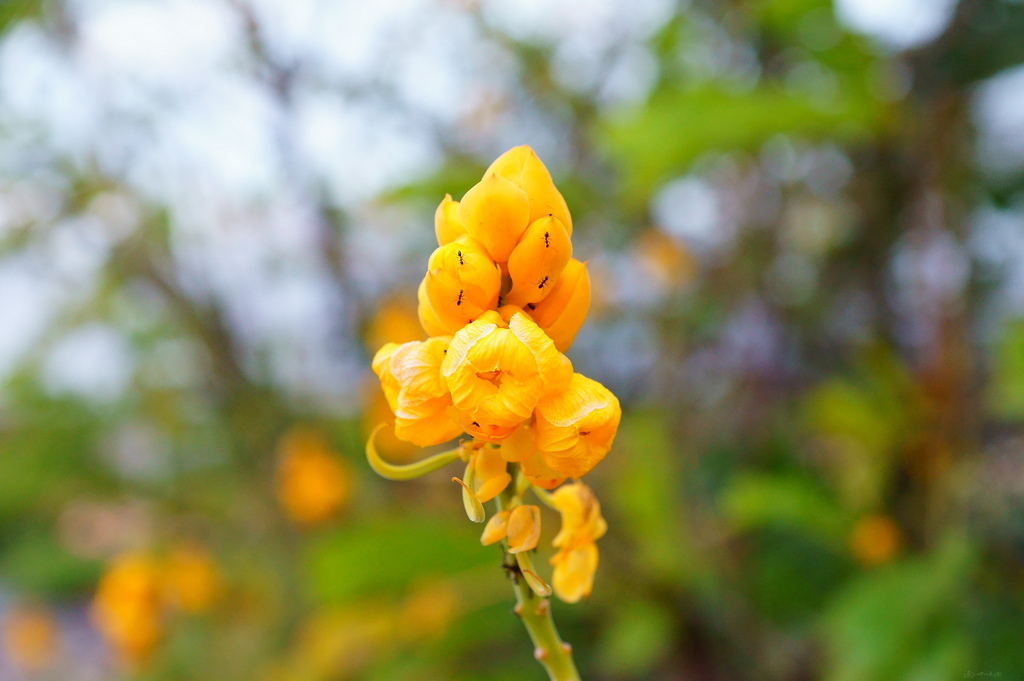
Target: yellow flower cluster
[137,591]
[502,299]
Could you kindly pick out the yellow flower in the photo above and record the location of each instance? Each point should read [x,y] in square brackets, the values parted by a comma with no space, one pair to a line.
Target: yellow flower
[447,222]
[497,372]
[496,213]
[576,426]
[562,311]
[313,483]
[522,167]
[462,283]
[875,539]
[538,260]
[191,578]
[126,608]
[577,557]
[29,637]
[410,375]
[521,526]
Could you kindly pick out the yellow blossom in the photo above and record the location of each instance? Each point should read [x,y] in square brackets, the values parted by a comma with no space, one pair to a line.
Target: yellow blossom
[418,395]
[521,526]
[562,311]
[447,222]
[313,483]
[875,539]
[496,213]
[498,372]
[191,578]
[522,167]
[29,637]
[462,282]
[576,426]
[538,260]
[577,557]
[126,608]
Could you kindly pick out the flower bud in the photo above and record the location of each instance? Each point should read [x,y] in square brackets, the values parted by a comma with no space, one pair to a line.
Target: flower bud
[462,283]
[496,528]
[490,473]
[495,213]
[523,528]
[576,426]
[537,261]
[447,222]
[522,167]
[562,311]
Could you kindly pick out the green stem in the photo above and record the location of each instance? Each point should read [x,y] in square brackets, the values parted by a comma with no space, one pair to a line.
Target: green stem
[535,612]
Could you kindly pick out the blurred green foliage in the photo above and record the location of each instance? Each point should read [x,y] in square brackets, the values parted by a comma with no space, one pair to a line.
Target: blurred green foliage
[818,474]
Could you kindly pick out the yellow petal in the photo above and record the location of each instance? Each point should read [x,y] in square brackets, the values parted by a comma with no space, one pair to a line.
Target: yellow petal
[562,312]
[555,368]
[382,367]
[521,166]
[496,528]
[417,368]
[490,473]
[447,223]
[582,522]
[520,445]
[429,423]
[540,474]
[523,528]
[428,317]
[573,577]
[495,213]
[537,261]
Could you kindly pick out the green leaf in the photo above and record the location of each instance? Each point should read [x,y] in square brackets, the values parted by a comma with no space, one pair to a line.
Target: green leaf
[884,626]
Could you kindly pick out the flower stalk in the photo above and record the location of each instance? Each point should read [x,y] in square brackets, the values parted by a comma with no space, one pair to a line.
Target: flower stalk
[535,612]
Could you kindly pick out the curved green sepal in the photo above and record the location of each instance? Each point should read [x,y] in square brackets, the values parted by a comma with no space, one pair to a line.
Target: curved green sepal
[405,471]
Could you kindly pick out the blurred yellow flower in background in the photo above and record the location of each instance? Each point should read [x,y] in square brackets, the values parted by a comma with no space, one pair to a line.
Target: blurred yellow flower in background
[29,637]
[313,483]
[875,539]
[192,582]
[127,607]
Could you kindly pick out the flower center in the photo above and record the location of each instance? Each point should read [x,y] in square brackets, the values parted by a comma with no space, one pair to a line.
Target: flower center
[495,377]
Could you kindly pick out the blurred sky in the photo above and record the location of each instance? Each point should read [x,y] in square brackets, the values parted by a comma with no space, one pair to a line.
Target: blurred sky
[166,97]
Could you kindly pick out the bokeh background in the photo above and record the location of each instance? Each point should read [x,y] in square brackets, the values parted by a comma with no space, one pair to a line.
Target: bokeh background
[805,224]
